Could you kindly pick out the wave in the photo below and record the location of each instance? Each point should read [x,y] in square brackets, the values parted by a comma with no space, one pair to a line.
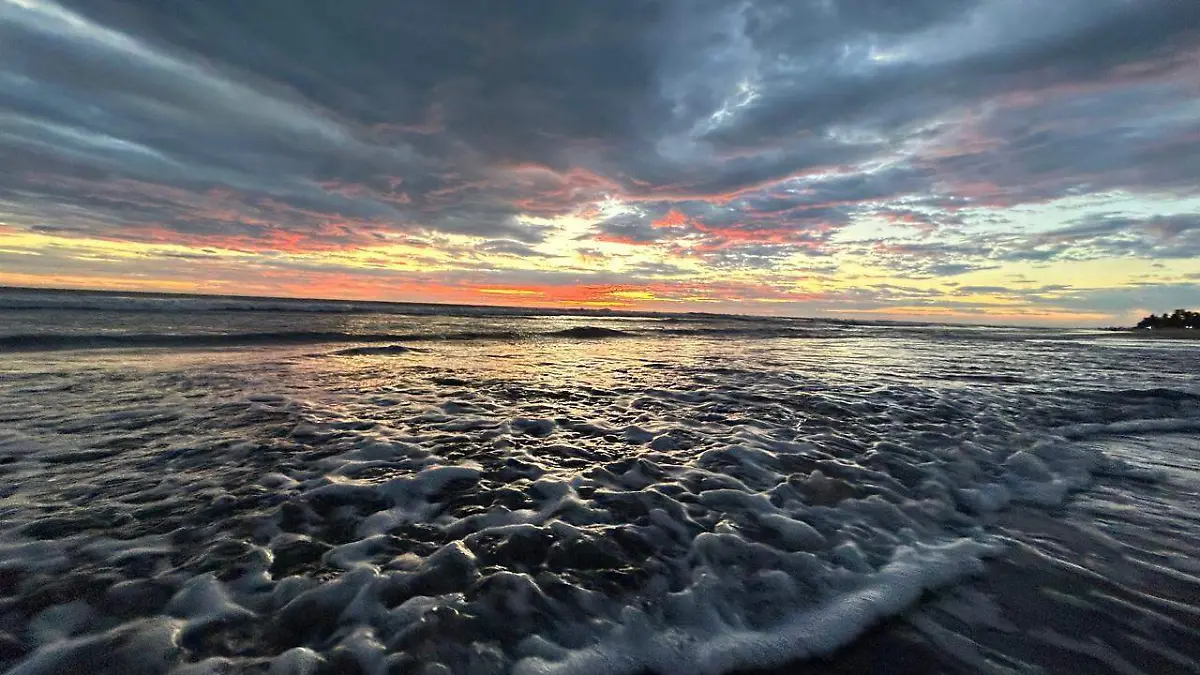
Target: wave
[760,331]
[1162,425]
[83,301]
[591,333]
[35,342]
[170,304]
[57,342]
[385,350]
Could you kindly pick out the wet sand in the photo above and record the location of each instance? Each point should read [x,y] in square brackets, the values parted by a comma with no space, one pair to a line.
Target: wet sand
[1166,334]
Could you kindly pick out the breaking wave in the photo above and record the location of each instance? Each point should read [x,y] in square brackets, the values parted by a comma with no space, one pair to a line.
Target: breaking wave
[65,341]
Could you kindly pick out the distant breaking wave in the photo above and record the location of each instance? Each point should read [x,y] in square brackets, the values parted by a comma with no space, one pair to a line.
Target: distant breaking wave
[190,304]
[54,342]
[61,341]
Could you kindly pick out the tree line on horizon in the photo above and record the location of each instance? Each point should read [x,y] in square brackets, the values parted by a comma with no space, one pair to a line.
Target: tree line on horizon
[1180,318]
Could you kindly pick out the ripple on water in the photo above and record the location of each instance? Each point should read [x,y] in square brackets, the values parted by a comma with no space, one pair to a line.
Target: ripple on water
[678,506]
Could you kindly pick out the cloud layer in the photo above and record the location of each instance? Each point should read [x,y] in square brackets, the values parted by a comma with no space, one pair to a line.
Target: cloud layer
[769,155]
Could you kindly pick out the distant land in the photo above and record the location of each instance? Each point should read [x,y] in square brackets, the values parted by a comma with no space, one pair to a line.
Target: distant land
[1180,319]
[1182,324]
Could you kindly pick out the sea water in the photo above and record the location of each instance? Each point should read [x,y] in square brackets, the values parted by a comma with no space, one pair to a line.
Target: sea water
[216,485]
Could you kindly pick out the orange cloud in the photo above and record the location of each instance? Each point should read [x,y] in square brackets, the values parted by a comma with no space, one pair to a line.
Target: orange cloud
[673,218]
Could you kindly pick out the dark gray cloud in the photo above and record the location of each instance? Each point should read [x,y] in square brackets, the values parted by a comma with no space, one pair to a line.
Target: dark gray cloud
[890,68]
[511,247]
[1132,301]
[744,256]
[658,269]
[1096,237]
[1159,237]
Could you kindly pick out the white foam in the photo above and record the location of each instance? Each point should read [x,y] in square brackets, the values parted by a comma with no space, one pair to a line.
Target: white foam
[985,498]
[216,665]
[637,645]
[797,535]
[296,661]
[204,601]
[1160,425]
[144,646]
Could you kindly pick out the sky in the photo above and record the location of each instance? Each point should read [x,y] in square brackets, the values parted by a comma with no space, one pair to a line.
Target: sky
[992,161]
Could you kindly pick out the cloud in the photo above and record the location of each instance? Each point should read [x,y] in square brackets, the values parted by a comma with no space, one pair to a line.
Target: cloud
[513,248]
[1113,236]
[1093,237]
[724,138]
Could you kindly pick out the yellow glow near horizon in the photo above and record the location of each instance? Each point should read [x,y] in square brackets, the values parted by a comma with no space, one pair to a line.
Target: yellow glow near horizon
[794,281]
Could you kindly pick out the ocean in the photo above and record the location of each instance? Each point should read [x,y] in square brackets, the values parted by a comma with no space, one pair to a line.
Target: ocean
[223,485]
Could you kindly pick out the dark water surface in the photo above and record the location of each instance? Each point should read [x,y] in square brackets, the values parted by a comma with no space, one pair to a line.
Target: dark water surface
[203,488]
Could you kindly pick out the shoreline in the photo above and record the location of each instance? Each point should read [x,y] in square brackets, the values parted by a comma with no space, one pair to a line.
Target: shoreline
[1159,334]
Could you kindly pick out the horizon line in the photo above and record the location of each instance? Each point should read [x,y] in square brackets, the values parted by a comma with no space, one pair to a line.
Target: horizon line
[529,308]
